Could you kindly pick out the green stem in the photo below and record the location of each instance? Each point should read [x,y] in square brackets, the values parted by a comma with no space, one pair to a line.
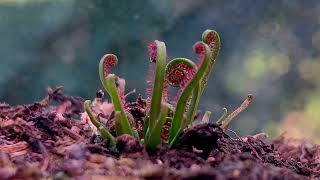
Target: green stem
[118,106]
[117,121]
[158,84]
[194,104]
[177,122]
[105,134]
[93,119]
[145,127]
[154,137]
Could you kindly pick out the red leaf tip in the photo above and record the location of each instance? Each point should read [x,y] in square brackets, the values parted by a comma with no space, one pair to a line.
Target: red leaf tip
[199,48]
[211,39]
[109,60]
[250,97]
[152,50]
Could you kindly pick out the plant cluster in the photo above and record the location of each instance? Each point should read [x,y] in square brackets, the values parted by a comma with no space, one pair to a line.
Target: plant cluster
[191,79]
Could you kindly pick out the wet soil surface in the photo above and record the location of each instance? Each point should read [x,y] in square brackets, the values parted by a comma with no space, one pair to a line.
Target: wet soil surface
[46,140]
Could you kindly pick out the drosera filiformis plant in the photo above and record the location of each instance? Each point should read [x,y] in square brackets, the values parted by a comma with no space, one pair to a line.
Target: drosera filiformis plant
[190,77]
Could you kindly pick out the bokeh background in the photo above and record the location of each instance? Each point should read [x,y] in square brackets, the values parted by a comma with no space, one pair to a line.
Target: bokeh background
[270,48]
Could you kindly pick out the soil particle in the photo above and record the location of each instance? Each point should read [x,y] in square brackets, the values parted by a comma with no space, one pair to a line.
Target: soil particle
[203,137]
[46,125]
[127,144]
[178,159]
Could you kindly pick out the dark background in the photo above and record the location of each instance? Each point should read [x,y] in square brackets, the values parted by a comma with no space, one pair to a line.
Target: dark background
[270,48]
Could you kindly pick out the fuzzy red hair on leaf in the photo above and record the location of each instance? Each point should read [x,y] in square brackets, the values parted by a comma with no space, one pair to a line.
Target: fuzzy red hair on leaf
[109,60]
[176,76]
[211,38]
[179,73]
[152,50]
[200,51]
[150,79]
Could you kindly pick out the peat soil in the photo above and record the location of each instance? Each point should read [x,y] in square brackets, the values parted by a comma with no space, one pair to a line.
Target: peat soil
[46,140]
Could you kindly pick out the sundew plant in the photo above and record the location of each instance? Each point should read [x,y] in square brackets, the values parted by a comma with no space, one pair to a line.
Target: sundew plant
[190,77]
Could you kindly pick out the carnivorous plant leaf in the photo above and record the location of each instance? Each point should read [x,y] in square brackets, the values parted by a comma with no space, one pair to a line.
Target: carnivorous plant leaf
[105,134]
[203,52]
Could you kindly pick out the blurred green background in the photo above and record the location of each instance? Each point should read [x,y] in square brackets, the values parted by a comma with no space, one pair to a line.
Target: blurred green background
[270,48]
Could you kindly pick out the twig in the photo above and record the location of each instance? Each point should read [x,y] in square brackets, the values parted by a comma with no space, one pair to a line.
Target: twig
[72,134]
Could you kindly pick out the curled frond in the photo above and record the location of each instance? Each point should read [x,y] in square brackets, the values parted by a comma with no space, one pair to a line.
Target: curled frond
[108,61]
[212,39]
[180,71]
[203,53]
[115,88]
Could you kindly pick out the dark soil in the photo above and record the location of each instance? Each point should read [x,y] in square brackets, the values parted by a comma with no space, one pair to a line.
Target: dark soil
[46,140]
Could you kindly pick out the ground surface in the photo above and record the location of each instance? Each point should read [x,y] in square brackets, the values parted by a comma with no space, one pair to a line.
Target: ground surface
[46,140]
